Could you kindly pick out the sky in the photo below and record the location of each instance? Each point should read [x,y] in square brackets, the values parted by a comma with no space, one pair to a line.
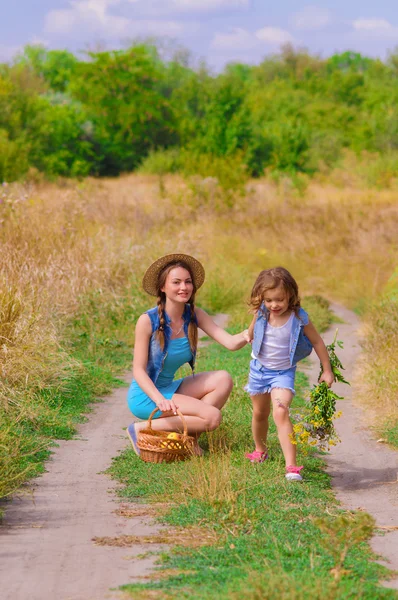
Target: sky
[217,31]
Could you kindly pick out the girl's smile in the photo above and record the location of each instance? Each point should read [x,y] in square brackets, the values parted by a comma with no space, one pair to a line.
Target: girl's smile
[276,301]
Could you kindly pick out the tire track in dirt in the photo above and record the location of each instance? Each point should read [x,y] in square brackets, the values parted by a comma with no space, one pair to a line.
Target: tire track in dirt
[364,472]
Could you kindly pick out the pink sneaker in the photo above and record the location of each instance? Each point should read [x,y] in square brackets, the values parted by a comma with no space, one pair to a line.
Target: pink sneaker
[257,456]
[293,473]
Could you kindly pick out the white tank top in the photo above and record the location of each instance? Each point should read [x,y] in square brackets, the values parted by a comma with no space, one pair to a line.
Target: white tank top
[274,351]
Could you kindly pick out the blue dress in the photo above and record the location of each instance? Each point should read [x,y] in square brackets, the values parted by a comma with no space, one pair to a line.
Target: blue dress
[178,354]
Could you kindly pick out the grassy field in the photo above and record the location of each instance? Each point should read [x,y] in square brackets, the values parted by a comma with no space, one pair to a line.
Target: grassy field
[239,530]
[73,255]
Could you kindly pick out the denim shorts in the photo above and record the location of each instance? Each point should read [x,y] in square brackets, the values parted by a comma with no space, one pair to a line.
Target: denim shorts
[263,380]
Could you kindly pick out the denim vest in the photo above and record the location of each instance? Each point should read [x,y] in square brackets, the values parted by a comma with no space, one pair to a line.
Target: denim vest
[156,355]
[299,347]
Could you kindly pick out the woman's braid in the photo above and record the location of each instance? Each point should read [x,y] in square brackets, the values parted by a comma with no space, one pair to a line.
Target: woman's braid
[193,328]
[162,321]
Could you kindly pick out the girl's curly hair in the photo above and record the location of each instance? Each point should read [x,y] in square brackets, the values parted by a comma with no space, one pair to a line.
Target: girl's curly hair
[271,279]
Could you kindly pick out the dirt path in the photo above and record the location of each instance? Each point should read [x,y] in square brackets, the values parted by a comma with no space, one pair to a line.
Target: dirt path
[46,548]
[364,472]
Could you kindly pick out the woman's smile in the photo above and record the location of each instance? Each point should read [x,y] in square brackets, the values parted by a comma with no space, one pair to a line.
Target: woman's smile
[178,284]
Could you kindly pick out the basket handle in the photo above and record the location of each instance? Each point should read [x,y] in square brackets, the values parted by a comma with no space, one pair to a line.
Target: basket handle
[179,413]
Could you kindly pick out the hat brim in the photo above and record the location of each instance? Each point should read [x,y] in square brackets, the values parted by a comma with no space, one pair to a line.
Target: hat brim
[150,279]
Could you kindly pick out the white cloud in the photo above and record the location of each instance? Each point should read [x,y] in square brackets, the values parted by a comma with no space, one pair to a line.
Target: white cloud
[167,7]
[87,14]
[311,18]
[375,29]
[206,5]
[236,39]
[274,36]
[93,16]
[372,24]
[241,39]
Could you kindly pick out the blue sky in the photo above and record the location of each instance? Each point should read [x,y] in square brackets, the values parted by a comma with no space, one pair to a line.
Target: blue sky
[218,31]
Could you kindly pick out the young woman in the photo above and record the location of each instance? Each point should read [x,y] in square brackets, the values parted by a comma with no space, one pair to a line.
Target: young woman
[166,337]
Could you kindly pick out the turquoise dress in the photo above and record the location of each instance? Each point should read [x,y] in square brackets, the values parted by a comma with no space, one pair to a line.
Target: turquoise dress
[179,353]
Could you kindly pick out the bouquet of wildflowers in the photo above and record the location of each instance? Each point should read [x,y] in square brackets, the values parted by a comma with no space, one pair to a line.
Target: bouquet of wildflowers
[315,427]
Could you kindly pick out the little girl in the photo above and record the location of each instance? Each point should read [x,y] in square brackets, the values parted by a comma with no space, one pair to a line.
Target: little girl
[281,335]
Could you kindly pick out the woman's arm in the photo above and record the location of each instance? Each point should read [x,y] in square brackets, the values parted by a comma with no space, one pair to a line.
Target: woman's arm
[320,349]
[143,332]
[232,342]
[251,328]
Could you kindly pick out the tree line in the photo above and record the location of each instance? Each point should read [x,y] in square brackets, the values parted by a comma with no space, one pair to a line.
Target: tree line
[113,111]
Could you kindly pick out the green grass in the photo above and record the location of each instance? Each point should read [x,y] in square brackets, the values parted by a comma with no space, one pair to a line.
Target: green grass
[269,542]
[319,312]
[389,431]
[98,341]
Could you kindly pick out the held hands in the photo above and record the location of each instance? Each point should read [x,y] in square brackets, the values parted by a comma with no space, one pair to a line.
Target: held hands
[246,336]
[327,377]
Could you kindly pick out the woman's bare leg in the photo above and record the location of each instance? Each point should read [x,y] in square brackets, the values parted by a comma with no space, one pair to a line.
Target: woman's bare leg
[200,399]
[198,415]
[211,387]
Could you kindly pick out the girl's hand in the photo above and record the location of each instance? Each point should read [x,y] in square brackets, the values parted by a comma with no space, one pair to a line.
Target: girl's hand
[327,377]
[167,406]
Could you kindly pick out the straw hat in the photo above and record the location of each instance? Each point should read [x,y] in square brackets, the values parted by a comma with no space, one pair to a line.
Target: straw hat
[150,280]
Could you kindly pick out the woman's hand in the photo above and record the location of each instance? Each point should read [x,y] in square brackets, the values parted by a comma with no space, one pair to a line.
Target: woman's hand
[167,406]
[327,377]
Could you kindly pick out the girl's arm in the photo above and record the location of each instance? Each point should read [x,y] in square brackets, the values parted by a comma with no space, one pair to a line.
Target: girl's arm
[320,349]
[143,332]
[232,342]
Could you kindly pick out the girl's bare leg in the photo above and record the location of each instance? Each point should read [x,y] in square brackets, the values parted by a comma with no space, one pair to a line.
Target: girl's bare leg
[281,400]
[261,410]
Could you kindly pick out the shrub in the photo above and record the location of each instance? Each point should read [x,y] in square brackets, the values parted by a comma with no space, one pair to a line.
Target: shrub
[160,162]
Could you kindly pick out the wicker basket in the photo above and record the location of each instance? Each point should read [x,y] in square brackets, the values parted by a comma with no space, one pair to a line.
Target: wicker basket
[156,446]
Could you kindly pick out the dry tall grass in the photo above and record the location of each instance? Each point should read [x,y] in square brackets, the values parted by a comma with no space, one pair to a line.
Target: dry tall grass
[377,377]
[59,244]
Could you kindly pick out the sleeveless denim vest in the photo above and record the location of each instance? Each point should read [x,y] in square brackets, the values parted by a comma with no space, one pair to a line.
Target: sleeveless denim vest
[156,355]
[299,347]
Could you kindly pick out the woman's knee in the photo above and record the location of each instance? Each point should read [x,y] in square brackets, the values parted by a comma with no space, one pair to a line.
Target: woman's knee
[225,380]
[213,419]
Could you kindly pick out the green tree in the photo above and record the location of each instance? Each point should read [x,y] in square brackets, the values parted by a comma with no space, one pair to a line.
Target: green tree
[120,91]
[54,66]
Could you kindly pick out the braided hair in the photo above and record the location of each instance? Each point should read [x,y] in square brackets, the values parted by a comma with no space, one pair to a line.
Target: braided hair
[161,304]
